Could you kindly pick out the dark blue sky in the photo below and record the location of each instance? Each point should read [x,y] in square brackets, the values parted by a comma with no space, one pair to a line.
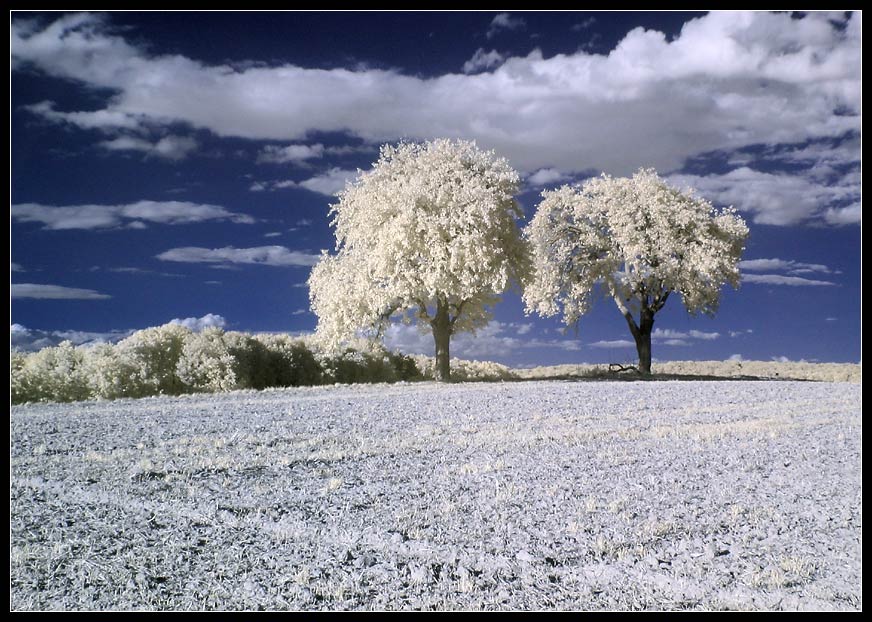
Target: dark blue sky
[181,165]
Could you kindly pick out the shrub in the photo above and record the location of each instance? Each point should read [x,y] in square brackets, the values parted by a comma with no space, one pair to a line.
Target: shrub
[154,353]
[55,374]
[288,362]
[206,363]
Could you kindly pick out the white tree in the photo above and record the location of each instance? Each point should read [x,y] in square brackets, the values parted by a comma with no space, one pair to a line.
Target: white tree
[636,240]
[429,233]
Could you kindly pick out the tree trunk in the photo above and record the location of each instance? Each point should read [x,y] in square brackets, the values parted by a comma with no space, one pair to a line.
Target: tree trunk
[643,341]
[442,336]
[643,347]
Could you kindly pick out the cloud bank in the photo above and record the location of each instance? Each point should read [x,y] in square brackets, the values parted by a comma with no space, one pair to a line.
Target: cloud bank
[133,215]
[260,255]
[728,80]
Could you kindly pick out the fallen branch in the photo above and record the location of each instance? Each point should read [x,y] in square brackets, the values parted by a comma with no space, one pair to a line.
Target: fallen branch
[616,368]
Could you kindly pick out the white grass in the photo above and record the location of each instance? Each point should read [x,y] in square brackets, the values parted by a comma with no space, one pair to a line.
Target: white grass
[521,495]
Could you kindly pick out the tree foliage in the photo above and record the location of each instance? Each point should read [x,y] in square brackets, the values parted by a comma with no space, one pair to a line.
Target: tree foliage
[172,359]
[428,234]
[636,240]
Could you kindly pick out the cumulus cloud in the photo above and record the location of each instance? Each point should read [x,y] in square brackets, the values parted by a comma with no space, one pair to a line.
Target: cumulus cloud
[780,279]
[791,267]
[779,198]
[55,292]
[482,60]
[86,120]
[132,215]
[197,324]
[23,339]
[545,177]
[26,339]
[261,255]
[788,265]
[729,79]
[668,333]
[168,147]
[328,183]
[275,154]
[850,215]
[504,21]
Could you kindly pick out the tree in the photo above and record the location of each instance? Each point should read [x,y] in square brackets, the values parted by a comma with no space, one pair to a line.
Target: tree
[430,234]
[637,240]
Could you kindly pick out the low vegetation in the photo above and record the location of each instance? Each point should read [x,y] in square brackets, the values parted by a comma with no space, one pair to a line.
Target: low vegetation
[173,360]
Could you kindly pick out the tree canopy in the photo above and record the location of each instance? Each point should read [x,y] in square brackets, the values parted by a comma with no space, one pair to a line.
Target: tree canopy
[429,234]
[636,240]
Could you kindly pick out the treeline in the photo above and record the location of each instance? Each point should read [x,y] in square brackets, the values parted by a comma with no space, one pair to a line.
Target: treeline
[172,360]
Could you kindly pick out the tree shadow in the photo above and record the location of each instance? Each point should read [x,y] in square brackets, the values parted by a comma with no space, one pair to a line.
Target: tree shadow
[626,376]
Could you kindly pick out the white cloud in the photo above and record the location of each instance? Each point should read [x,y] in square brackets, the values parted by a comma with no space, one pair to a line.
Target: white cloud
[675,342]
[545,177]
[784,359]
[14,267]
[272,234]
[779,198]
[276,154]
[328,183]
[736,357]
[30,339]
[93,120]
[851,215]
[780,279]
[197,324]
[106,216]
[56,292]
[831,319]
[668,333]
[301,312]
[168,147]
[25,339]
[482,60]
[261,255]
[786,265]
[504,21]
[729,79]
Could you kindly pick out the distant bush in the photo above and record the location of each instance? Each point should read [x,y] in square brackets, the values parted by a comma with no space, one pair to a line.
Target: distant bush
[172,359]
[207,364]
[351,366]
[465,371]
[55,374]
[154,354]
[283,361]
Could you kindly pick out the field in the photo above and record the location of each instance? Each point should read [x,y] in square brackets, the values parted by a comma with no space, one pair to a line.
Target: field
[580,495]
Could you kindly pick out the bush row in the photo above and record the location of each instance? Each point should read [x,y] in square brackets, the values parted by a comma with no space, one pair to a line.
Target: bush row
[172,359]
